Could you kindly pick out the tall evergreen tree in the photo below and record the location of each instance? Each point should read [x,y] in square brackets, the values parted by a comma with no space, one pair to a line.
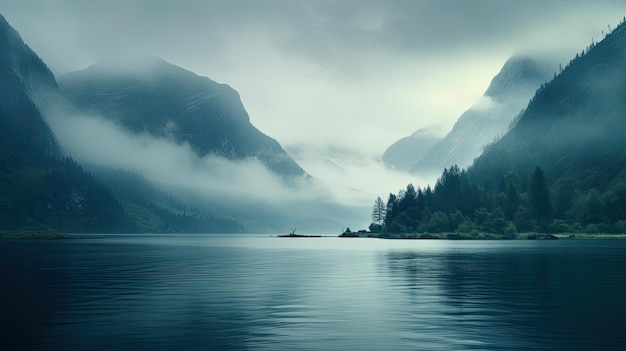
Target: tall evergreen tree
[378,211]
[448,189]
[409,199]
[512,202]
[392,208]
[564,197]
[540,197]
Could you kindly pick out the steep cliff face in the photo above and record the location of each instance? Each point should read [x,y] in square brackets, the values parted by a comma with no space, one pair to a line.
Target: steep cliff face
[560,168]
[25,133]
[40,188]
[574,125]
[151,95]
[509,92]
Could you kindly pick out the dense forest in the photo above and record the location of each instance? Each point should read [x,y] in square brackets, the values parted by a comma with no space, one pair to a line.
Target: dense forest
[155,211]
[560,168]
[57,194]
[520,203]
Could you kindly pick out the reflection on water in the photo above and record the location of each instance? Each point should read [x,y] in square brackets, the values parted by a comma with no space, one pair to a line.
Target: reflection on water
[565,296]
[261,293]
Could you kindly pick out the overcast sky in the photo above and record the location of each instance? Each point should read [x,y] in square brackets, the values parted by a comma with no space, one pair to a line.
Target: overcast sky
[328,74]
[351,72]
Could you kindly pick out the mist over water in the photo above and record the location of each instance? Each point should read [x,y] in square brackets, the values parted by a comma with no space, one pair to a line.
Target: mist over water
[223,184]
[355,177]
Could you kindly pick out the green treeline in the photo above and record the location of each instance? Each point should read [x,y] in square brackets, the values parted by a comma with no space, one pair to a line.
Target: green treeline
[519,203]
[57,195]
[156,211]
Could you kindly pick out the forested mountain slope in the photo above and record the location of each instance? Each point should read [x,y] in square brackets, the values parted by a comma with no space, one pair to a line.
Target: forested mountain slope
[40,187]
[574,126]
[490,117]
[561,168]
[151,95]
[509,92]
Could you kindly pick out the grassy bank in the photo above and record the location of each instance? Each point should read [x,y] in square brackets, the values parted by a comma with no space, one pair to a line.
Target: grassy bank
[17,235]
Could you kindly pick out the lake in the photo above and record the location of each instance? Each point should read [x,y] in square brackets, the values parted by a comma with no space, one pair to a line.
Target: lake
[255,292]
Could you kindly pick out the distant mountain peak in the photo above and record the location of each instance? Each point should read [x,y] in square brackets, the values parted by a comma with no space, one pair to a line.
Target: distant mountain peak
[138,67]
[5,26]
[24,64]
[39,188]
[509,92]
[22,75]
[407,151]
[154,96]
[517,73]
[573,127]
[3,22]
[121,62]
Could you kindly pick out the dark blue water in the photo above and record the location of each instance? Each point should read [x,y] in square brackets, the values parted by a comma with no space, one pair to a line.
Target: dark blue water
[261,293]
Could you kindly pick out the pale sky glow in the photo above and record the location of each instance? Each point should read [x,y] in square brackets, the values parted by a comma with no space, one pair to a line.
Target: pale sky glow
[351,74]
[317,71]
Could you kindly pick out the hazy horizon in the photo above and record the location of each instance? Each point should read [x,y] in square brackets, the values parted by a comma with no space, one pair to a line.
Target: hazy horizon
[335,82]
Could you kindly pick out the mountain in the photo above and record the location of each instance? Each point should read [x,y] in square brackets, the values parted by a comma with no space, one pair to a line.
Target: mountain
[40,187]
[153,210]
[573,127]
[507,94]
[560,169]
[24,130]
[407,151]
[165,100]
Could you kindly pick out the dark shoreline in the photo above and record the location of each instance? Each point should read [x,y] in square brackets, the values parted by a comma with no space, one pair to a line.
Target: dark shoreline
[25,235]
[484,236]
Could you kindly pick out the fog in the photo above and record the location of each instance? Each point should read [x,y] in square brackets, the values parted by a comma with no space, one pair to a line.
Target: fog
[335,82]
[236,186]
[344,186]
[316,72]
[356,176]
[165,162]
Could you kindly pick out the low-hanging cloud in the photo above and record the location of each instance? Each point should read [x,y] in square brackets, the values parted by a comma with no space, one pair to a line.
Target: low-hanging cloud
[358,65]
[166,162]
[358,74]
[241,185]
[353,176]
[484,103]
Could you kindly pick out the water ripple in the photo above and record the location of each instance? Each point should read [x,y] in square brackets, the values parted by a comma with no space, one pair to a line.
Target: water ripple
[261,293]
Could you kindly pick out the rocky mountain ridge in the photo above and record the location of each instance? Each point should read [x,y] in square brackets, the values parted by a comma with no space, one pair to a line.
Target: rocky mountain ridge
[165,100]
[508,93]
[40,187]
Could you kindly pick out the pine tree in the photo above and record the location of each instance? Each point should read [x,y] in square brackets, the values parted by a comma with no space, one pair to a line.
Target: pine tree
[564,197]
[378,211]
[391,209]
[540,197]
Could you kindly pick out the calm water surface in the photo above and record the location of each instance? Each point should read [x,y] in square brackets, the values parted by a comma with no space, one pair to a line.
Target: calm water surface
[201,292]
